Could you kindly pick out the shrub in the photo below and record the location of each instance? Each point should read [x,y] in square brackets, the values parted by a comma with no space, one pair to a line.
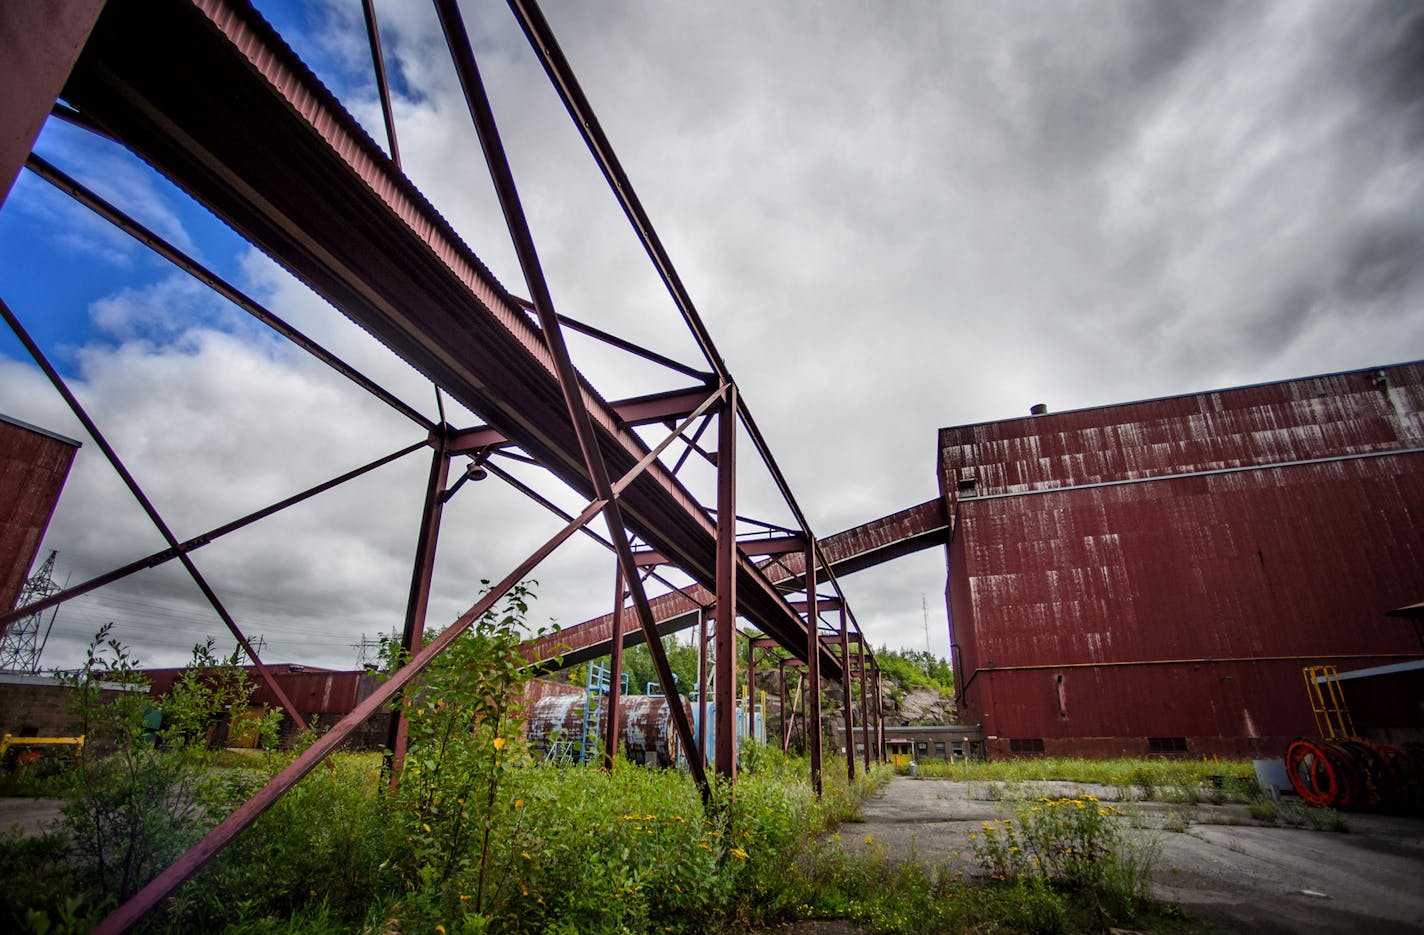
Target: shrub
[1079,843]
[139,795]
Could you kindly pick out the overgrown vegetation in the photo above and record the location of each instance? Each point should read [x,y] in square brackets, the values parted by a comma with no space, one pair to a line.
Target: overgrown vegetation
[1165,780]
[479,837]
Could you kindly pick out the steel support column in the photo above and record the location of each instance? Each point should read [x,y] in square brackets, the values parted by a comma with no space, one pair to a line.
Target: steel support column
[113,457]
[781,696]
[879,717]
[751,688]
[462,54]
[702,640]
[615,674]
[422,570]
[724,679]
[846,698]
[813,671]
[864,711]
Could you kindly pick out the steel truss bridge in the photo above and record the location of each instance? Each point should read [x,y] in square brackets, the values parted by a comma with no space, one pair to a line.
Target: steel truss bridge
[209,94]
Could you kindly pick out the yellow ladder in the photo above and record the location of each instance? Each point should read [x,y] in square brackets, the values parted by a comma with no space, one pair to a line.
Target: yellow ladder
[1332,715]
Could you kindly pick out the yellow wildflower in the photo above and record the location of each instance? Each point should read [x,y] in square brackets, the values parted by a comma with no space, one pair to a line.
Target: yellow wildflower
[518,803]
[738,853]
[499,743]
[869,839]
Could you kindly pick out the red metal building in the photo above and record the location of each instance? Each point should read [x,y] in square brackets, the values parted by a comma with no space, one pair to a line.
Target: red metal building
[33,467]
[1152,577]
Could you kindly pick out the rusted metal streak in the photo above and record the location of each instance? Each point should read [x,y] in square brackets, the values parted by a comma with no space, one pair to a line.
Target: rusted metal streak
[1203,660]
[113,457]
[143,902]
[109,212]
[200,540]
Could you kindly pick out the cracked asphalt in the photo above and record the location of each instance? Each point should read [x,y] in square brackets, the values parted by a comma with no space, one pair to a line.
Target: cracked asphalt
[1227,871]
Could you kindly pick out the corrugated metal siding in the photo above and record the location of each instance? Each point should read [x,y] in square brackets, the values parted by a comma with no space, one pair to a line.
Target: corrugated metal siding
[1319,417]
[33,467]
[1179,576]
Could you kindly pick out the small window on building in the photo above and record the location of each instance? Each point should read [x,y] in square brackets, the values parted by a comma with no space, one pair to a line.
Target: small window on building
[939,749]
[1026,745]
[1166,745]
[922,747]
[968,487]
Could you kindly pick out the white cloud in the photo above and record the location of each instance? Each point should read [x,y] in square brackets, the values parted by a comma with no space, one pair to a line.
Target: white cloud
[892,218]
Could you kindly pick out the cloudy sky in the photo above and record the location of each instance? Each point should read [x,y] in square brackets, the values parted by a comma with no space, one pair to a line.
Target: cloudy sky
[892,216]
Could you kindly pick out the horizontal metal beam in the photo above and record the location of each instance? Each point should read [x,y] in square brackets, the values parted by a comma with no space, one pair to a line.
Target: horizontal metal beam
[640,410]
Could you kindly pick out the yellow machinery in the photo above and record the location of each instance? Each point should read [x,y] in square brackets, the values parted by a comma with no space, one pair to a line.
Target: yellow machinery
[29,749]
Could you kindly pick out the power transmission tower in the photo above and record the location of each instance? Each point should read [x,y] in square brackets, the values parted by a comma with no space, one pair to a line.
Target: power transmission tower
[21,643]
[366,651]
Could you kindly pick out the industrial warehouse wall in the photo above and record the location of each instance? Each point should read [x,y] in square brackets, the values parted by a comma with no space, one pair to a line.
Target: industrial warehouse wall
[33,467]
[1152,577]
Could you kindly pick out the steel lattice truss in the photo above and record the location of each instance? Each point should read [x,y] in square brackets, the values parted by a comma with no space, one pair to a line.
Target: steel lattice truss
[207,92]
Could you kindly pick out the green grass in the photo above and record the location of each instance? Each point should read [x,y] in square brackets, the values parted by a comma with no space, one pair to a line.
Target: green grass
[1165,780]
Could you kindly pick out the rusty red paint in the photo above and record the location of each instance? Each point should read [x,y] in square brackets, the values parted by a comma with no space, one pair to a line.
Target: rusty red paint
[34,464]
[39,41]
[1145,571]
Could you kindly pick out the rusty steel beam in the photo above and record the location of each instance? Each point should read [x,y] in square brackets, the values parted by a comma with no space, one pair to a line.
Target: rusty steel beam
[615,674]
[640,410]
[774,546]
[198,541]
[39,41]
[422,571]
[117,463]
[702,639]
[846,696]
[636,350]
[864,711]
[813,672]
[725,679]
[378,61]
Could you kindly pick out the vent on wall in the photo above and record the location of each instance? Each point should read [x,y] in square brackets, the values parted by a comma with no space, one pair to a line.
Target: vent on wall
[1026,745]
[968,487]
[1166,745]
